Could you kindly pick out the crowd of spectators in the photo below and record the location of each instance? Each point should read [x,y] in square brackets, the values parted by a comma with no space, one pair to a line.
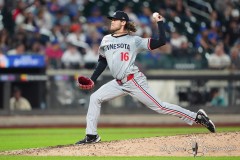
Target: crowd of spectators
[68,32]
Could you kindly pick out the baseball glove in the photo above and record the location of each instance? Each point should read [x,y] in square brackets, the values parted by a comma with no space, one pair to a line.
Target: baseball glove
[85,83]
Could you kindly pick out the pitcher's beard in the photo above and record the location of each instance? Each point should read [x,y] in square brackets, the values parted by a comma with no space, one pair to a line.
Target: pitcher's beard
[112,31]
[117,32]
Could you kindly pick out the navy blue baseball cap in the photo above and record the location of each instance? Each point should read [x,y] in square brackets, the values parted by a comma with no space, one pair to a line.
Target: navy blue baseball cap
[119,15]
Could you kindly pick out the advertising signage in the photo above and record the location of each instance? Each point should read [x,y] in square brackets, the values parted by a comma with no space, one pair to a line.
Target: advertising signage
[22,61]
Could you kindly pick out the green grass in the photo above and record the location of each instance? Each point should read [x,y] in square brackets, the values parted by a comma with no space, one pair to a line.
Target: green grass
[13,139]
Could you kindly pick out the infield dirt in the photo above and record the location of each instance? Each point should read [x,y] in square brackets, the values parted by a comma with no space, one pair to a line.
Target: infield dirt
[212,144]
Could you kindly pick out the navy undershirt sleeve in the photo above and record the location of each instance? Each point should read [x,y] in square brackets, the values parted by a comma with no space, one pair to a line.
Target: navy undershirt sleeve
[101,65]
[156,43]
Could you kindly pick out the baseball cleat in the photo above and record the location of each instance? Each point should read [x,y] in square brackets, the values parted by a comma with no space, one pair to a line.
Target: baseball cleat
[89,139]
[203,119]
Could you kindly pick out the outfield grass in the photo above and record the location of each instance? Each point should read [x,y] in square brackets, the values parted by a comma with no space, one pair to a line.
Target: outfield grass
[13,139]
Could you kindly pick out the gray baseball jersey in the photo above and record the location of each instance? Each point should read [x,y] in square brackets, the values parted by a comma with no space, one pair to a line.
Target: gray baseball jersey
[120,53]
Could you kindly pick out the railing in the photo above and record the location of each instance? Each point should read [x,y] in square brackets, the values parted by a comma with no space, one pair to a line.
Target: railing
[199,11]
[189,88]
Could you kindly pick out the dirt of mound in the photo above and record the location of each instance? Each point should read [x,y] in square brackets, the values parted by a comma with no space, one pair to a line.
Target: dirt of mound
[212,144]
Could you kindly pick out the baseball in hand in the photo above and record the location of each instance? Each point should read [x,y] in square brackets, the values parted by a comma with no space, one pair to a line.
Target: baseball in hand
[155,15]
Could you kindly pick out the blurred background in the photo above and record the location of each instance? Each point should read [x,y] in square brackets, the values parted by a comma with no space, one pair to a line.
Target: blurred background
[46,44]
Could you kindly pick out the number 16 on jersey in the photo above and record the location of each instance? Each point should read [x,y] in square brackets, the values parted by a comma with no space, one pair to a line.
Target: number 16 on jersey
[124,56]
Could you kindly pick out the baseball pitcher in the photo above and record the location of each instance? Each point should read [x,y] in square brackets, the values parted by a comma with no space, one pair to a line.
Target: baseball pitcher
[118,50]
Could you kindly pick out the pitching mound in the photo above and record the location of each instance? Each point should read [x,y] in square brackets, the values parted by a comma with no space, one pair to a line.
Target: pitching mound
[217,144]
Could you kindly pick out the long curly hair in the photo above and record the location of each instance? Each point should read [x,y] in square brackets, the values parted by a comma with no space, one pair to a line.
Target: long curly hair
[130,27]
